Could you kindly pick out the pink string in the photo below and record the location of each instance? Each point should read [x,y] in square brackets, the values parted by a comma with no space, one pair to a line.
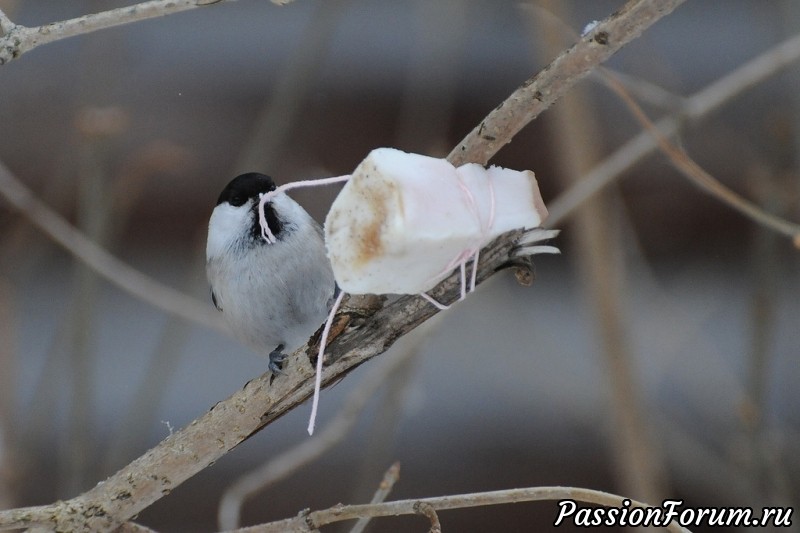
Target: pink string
[484,231]
[270,238]
[433,302]
[473,251]
[266,197]
[474,270]
[318,379]
[459,260]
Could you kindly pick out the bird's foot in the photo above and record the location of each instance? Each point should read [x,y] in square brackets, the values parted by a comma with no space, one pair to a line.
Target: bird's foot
[276,359]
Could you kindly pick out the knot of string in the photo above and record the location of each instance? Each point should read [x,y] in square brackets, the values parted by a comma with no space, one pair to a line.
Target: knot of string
[459,260]
[473,251]
[264,198]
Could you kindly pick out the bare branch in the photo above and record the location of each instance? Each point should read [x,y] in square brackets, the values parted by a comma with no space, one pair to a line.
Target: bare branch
[368,332]
[20,39]
[261,401]
[282,465]
[310,521]
[427,510]
[705,181]
[572,65]
[132,527]
[700,104]
[574,135]
[387,484]
[5,23]
[98,259]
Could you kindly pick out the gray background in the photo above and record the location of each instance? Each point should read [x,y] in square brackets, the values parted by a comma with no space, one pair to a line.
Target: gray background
[511,387]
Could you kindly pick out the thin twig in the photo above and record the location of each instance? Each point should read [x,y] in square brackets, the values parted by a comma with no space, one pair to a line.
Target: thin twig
[95,220]
[572,65]
[20,39]
[98,259]
[427,510]
[697,106]
[643,89]
[196,446]
[231,421]
[133,527]
[391,477]
[284,464]
[387,484]
[702,179]
[5,23]
[309,521]
[637,462]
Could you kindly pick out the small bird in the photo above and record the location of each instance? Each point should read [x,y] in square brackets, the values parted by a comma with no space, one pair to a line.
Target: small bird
[273,296]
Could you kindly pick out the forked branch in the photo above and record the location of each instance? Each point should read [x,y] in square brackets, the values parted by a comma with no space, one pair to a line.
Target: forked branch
[369,332]
[18,39]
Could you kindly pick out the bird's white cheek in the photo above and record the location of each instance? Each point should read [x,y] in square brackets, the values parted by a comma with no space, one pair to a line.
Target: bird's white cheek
[227,224]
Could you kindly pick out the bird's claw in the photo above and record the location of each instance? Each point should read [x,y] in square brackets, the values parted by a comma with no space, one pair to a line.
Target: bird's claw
[276,359]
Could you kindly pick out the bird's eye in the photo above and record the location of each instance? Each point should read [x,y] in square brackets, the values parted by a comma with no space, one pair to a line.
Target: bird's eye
[237,200]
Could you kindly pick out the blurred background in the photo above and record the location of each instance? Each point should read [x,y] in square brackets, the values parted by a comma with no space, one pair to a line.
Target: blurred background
[655,358]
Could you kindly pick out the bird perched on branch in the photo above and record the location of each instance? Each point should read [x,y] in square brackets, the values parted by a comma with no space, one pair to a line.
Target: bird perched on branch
[273,295]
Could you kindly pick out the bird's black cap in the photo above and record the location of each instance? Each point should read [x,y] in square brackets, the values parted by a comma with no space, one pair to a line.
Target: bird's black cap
[244,187]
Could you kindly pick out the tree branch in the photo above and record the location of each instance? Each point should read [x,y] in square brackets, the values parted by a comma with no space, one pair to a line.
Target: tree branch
[5,23]
[20,39]
[283,464]
[311,521]
[368,332]
[98,259]
[387,484]
[572,65]
[230,422]
[695,107]
[702,179]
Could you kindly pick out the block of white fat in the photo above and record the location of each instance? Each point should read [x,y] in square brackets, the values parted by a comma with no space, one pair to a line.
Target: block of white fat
[404,221]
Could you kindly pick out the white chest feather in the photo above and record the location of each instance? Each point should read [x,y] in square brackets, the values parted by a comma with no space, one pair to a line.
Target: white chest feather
[270,294]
